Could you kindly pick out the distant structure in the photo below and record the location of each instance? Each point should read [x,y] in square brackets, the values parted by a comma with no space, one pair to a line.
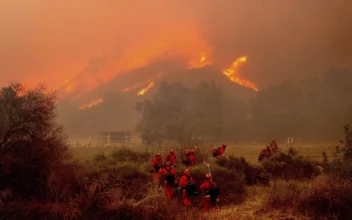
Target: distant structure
[290,140]
[117,137]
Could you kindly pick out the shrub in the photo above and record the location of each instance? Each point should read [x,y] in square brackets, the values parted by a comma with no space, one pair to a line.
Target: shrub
[231,184]
[283,194]
[100,157]
[127,155]
[252,174]
[290,166]
[331,198]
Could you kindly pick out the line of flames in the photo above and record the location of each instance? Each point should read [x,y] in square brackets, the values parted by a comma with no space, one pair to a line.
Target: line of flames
[146,89]
[91,104]
[139,85]
[232,71]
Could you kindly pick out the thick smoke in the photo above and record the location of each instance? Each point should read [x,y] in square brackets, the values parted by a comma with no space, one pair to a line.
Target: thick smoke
[52,42]
[49,42]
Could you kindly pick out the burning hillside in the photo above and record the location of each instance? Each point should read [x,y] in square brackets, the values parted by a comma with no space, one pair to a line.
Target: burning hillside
[188,48]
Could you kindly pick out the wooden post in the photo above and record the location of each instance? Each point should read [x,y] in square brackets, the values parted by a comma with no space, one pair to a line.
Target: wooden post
[189,140]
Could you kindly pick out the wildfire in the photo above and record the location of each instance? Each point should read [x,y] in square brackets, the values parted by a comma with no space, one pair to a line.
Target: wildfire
[178,42]
[145,90]
[184,44]
[138,85]
[203,61]
[93,103]
[232,71]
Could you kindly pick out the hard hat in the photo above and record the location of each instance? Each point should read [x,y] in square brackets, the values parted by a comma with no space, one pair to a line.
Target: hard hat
[208,176]
[187,172]
[172,150]
[168,163]
[158,154]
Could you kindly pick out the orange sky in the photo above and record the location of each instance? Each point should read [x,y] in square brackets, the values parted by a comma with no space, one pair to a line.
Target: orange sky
[54,41]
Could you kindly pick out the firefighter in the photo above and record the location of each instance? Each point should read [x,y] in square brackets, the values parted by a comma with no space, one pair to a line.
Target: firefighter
[269,150]
[221,149]
[171,157]
[196,146]
[214,152]
[187,186]
[192,157]
[170,179]
[274,146]
[186,158]
[156,165]
[211,192]
[265,153]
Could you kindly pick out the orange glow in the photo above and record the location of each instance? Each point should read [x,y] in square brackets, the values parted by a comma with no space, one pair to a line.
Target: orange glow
[145,90]
[184,43]
[94,103]
[179,43]
[232,71]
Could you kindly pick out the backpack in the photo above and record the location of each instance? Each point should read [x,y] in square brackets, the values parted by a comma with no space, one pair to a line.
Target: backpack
[215,153]
[186,161]
[190,187]
[170,178]
[214,192]
[157,167]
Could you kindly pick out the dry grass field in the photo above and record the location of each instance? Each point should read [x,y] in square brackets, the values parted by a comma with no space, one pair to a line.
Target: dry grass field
[248,151]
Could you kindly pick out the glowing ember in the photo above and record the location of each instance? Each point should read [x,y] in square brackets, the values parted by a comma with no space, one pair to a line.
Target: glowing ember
[94,103]
[232,71]
[145,90]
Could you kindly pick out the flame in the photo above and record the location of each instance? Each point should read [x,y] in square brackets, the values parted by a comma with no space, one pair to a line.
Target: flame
[203,61]
[184,43]
[145,90]
[93,103]
[177,42]
[232,71]
[138,85]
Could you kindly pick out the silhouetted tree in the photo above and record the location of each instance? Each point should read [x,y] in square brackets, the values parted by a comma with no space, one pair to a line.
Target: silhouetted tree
[32,144]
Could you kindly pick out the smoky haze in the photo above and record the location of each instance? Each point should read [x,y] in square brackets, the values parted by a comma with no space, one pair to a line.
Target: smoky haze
[46,41]
[51,42]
